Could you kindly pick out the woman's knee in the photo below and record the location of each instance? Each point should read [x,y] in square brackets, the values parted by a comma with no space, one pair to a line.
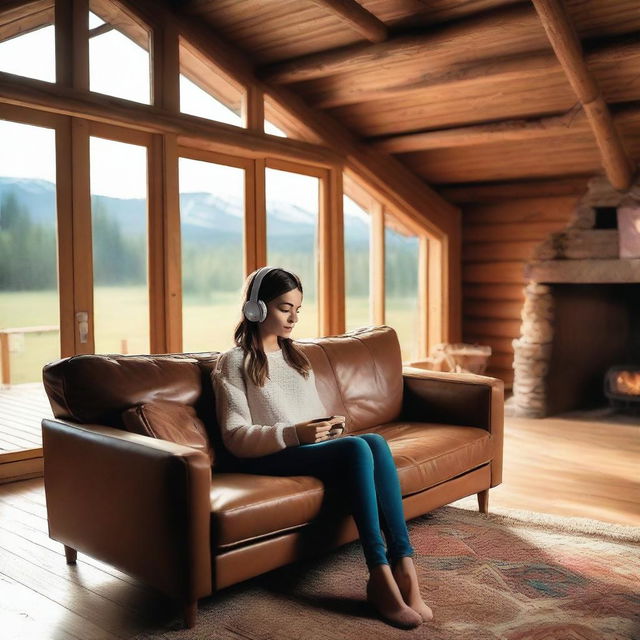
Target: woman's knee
[375,440]
[355,447]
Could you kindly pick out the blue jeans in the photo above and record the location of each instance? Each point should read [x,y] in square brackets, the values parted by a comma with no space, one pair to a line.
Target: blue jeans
[366,469]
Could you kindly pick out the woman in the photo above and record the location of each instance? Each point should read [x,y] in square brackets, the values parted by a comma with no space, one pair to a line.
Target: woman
[266,409]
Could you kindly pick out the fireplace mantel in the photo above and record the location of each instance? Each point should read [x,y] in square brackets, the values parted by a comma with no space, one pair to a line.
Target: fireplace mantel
[594,271]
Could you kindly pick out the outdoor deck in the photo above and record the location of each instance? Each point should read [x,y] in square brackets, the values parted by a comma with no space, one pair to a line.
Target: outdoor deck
[22,408]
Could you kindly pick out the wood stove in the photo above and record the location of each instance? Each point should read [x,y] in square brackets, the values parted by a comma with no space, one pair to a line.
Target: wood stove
[622,387]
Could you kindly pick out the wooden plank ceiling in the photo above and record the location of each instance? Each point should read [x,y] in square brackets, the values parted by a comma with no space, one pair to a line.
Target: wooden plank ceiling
[460,92]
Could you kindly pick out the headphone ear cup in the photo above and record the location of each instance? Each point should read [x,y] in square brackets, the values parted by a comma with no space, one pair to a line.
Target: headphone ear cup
[263,310]
[251,311]
[255,311]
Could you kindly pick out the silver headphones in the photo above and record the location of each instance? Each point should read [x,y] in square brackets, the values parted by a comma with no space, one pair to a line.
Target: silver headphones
[254,309]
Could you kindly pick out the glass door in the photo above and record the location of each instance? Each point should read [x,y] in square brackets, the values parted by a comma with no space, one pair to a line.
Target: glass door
[30,327]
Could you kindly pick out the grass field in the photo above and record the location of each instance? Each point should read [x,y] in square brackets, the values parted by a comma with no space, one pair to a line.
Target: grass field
[121,313]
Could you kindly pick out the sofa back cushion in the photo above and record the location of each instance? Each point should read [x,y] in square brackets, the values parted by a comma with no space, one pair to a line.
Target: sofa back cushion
[359,375]
[171,421]
[98,388]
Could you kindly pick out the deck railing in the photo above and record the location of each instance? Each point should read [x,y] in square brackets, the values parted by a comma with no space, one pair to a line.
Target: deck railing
[5,358]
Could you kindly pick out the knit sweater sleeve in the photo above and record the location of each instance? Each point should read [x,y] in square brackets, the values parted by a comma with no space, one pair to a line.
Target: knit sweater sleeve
[242,438]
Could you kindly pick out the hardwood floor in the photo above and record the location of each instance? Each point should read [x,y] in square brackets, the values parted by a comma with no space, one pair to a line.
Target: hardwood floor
[569,465]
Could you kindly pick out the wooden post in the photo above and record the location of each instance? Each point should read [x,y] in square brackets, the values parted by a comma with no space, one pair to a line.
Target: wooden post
[566,44]
[358,18]
[5,357]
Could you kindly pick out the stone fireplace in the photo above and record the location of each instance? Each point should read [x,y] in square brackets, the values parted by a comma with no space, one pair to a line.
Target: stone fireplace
[581,313]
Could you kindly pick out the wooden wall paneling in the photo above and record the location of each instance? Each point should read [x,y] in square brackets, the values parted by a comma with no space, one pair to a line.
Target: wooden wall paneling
[524,210]
[499,272]
[509,232]
[505,310]
[497,291]
[376,265]
[566,44]
[499,251]
[498,344]
[492,327]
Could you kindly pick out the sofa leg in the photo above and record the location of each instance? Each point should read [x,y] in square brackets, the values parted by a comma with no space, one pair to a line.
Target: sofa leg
[190,611]
[483,501]
[71,554]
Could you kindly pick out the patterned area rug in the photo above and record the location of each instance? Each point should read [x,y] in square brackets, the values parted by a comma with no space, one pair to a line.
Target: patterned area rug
[507,575]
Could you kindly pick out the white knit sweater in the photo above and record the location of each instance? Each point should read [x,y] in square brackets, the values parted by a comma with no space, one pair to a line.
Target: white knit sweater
[256,421]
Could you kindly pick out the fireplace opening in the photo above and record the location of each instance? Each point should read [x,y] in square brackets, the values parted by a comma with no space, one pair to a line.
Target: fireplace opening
[596,327]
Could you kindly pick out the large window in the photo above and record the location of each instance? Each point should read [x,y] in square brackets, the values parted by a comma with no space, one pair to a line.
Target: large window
[292,237]
[401,285]
[29,305]
[212,230]
[357,241]
[118,54]
[120,255]
[30,54]
[206,91]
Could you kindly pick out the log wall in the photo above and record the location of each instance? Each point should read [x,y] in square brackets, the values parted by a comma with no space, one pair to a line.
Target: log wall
[500,232]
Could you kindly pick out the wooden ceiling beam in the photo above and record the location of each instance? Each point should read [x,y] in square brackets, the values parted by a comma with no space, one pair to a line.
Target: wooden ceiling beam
[567,47]
[436,48]
[508,131]
[338,91]
[17,18]
[525,130]
[357,17]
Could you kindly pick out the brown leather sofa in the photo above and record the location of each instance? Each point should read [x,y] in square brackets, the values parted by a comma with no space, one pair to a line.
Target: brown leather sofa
[177,517]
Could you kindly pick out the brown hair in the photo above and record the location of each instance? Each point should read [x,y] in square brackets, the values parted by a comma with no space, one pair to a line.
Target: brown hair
[246,335]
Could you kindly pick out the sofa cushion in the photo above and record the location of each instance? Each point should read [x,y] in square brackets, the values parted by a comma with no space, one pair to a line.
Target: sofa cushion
[246,507]
[427,454]
[171,421]
[358,375]
[98,387]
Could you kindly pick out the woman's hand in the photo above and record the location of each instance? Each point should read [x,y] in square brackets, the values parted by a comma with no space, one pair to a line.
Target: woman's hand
[311,432]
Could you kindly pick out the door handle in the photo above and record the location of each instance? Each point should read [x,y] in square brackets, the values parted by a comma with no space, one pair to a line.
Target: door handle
[82,319]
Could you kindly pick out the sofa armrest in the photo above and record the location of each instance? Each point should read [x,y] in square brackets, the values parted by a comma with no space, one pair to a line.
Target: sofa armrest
[464,399]
[138,503]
